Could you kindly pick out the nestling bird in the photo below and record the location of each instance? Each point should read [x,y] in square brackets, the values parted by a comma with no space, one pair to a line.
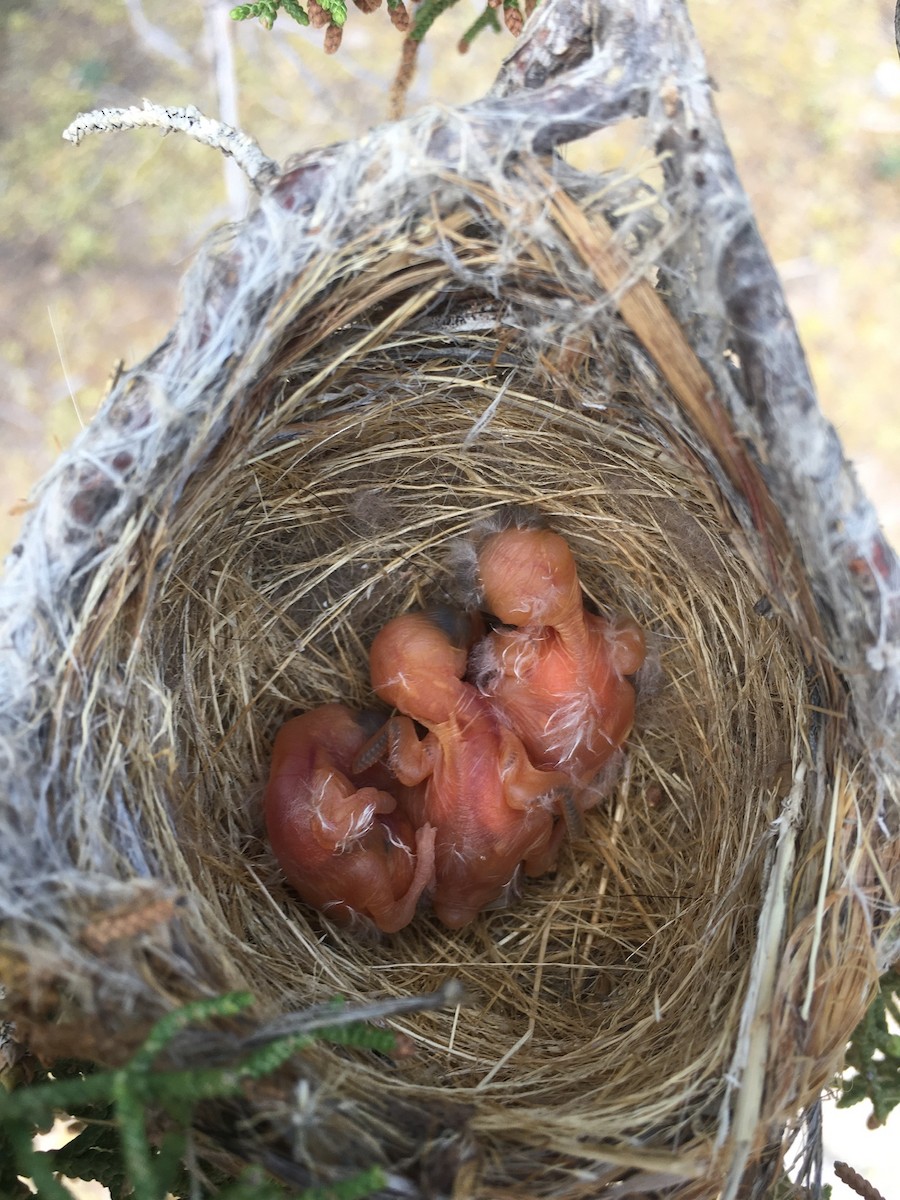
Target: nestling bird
[557,677]
[491,808]
[343,844]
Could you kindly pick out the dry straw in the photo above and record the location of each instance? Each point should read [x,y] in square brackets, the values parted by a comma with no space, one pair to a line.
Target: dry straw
[410,333]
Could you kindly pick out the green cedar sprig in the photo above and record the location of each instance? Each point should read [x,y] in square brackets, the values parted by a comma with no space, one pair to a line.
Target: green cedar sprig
[487,20]
[426,15]
[95,1152]
[267,10]
[874,1053]
[115,1148]
[293,9]
[356,1188]
[336,9]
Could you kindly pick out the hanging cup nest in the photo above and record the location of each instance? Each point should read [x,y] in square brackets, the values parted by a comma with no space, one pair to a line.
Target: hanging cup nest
[410,334]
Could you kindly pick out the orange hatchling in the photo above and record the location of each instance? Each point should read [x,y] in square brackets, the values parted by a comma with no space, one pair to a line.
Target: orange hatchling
[491,808]
[557,676]
[343,844]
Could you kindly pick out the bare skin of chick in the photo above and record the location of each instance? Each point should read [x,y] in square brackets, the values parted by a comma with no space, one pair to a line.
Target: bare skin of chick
[491,808]
[344,846]
[558,676]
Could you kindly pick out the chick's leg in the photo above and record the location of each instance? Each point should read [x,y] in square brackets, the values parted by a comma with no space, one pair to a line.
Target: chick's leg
[390,914]
[524,784]
[397,744]
[542,857]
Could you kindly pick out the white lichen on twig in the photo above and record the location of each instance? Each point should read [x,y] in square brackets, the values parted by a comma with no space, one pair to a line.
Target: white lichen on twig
[258,167]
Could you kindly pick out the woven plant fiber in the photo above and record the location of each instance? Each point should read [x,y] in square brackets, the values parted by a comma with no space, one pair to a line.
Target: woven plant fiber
[409,334]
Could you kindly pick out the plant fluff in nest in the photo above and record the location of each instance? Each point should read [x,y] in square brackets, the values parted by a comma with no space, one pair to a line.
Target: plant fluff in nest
[351,385]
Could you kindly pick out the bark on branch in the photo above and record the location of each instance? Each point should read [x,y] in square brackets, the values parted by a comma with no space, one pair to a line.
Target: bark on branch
[581,66]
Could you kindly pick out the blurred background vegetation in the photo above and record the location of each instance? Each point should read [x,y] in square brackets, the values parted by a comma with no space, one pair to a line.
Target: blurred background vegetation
[93,240]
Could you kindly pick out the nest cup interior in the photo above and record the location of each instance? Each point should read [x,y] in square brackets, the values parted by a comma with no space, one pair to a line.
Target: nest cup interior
[291,469]
[601,1003]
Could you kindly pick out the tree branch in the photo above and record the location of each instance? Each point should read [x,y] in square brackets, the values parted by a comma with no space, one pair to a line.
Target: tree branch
[258,168]
[581,66]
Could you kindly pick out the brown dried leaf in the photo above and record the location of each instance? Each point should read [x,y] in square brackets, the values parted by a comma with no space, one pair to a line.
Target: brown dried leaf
[318,16]
[513,18]
[333,35]
[400,17]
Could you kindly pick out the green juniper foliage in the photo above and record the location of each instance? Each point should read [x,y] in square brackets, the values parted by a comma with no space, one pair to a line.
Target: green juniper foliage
[114,1147]
[266,11]
[874,1054]
[426,15]
[487,20]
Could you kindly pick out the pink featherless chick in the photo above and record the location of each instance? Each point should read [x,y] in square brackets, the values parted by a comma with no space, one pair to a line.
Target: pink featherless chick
[491,808]
[343,844]
[558,676]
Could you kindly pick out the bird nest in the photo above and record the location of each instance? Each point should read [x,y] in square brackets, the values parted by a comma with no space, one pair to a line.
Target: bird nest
[379,358]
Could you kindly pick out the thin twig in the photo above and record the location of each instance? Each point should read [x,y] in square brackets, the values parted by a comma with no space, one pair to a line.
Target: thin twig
[747,1071]
[855,1181]
[154,39]
[447,996]
[220,50]
[258,167]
